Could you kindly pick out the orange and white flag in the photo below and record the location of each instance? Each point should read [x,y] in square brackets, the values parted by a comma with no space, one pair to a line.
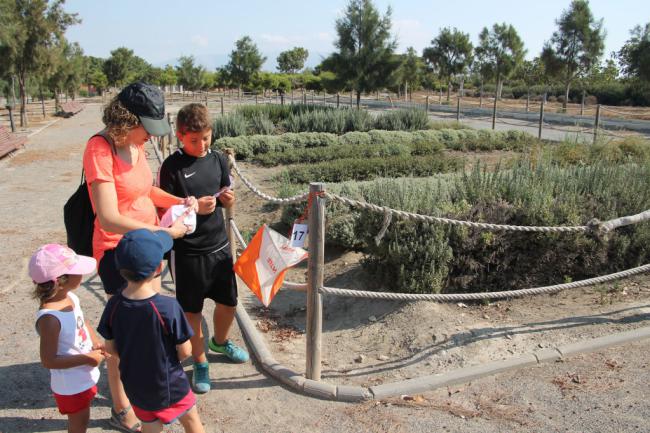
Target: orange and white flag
[264,262]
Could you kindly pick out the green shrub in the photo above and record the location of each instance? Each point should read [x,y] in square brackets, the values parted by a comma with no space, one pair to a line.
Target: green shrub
[328,153]
[231,125]
[261,124]
[370,168]
[402,120]
[427,258]
[423,142]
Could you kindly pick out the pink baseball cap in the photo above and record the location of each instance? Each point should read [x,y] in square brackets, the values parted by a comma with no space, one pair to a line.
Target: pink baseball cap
[51,261]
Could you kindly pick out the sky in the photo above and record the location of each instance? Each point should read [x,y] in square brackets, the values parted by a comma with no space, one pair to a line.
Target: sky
[160,31]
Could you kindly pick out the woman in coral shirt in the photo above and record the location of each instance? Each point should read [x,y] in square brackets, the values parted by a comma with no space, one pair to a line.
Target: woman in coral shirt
[121,188]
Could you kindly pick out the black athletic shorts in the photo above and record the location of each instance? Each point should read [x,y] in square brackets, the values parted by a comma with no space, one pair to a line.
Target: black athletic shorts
[202,276]
[112,281]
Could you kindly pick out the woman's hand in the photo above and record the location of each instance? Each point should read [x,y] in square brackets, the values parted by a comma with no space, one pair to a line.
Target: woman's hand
[207,205]
[178,229]
[192,203]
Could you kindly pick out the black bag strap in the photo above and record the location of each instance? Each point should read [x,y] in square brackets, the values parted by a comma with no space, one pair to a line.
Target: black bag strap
[104,134]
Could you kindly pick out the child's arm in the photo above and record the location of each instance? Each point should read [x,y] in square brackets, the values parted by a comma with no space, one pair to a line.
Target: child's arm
[110,219]
[49,328]
[184,350]
[163,199]
[97,343]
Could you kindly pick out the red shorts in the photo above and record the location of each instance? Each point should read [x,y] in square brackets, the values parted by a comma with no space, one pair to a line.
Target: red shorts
[169,414]
[69,404]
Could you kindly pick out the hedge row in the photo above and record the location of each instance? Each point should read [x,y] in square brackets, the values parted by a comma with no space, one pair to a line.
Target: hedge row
[320,154]
[371,168]
[430,258]
[247,147]
[268,119]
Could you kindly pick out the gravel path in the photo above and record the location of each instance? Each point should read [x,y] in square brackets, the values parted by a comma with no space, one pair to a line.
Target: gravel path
[604,391]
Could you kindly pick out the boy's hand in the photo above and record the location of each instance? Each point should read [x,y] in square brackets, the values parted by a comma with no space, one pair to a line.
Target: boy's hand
[227,198]
[207,205]
[95,358]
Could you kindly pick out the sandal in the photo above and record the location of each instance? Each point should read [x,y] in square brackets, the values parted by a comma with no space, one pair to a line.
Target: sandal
[117,421]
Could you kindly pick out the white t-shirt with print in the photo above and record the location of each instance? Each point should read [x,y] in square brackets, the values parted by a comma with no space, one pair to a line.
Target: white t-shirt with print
[74,339]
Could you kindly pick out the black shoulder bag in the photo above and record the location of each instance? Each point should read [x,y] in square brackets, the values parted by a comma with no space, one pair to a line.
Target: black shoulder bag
[78,215]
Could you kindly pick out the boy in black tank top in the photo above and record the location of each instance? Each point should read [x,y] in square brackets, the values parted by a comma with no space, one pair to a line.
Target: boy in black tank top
[201,263]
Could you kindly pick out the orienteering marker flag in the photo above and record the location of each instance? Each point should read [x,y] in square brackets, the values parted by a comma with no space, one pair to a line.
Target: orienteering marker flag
[264,262]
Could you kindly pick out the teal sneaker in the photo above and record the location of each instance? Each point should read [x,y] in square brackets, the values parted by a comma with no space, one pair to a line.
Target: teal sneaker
[201,377]
[230,349]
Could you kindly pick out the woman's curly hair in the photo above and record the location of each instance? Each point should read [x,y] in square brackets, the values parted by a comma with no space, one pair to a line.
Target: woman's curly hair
[118,120]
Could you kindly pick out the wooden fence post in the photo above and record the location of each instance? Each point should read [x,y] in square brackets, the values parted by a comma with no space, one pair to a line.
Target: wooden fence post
[541,117]
[596,123]
[315,279]
[458,109]
[338,99]
[494,112]
[221,100]
[426,105]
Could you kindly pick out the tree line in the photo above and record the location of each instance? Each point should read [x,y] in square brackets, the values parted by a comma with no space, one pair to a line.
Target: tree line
[35,54]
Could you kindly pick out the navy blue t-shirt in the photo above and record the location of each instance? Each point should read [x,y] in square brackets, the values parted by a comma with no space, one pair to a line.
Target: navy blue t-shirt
[145,334]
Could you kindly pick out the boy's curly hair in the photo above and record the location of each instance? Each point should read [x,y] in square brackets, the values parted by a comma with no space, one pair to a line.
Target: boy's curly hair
[193,117]
[118,120]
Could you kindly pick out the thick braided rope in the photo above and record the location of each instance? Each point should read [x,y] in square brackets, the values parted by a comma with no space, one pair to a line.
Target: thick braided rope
[249,184]
[432,219]
[454,297]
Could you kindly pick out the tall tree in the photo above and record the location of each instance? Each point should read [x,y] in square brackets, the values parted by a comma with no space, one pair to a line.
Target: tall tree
[245,62]
[365,59]
[450,54]
[575,47]
[410,71]
[189,74]
[33,27]
[530,73]
[292,61]
[502,50]
[123,67]
[635,54]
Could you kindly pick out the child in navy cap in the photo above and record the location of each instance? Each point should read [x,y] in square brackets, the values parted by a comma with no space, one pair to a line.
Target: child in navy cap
[150,335]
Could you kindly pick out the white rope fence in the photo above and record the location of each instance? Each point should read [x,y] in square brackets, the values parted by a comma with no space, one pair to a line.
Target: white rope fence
[256,191]
[456,297]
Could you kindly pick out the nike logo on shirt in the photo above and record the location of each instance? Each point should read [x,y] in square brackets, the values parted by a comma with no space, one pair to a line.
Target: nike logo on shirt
[189,175]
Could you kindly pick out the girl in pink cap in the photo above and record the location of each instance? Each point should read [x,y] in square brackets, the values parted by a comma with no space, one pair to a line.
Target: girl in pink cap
[69,348]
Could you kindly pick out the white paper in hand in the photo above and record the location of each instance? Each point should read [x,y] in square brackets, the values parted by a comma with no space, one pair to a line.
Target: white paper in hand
[174,212]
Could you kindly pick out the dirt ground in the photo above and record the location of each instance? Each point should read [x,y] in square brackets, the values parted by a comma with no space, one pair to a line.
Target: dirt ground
[365,342]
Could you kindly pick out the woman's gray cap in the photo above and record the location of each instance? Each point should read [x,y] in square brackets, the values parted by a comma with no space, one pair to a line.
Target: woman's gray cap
[148,103]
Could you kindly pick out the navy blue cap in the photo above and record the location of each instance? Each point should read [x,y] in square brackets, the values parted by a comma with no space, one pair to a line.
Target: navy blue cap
[141,251]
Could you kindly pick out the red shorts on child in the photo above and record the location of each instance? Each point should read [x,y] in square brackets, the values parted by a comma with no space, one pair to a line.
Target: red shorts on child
[169,414]
[69,404]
